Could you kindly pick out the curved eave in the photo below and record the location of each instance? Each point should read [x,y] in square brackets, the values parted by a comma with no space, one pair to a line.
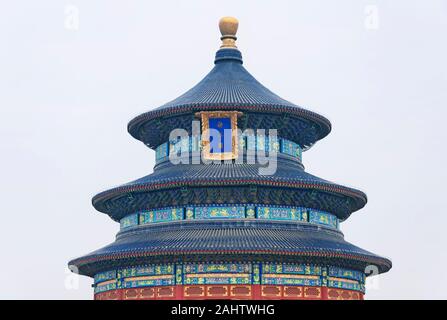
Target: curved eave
[321,122]
[251,240]
[99,200]
[85,263]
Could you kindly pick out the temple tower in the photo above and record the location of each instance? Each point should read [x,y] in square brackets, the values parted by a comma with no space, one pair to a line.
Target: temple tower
[229,211]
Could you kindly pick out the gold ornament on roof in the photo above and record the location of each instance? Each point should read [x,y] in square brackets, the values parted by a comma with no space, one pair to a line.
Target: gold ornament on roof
[228,28]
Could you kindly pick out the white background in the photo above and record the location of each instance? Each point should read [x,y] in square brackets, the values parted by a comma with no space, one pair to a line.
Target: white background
[67,92]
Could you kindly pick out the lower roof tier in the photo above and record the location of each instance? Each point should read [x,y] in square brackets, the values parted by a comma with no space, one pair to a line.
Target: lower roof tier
[174,185]
[186,241]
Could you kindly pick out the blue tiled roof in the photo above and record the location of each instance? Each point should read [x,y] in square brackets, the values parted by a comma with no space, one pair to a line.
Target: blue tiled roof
[230,85]
[284,172]
[233,237]
[288,174]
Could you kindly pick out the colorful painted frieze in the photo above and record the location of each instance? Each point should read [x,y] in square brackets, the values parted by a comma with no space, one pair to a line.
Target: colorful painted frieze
[291,280]
[282,268]
[219,212]
[274,144]
[256,274]
[305,215]
[247,142]
[216,278]
[250,212]
[179,274]
[147,217]
[105,287]
[291,148]
[346,274]
[323,218]
[223,273]
[149,281]
[345,284]
[129,221]
[162,152]
[161,215]
[278,213]
[324,276]
[105,276]
[217,268]
[231,211]
[230,273]
[146,271]
[189,213]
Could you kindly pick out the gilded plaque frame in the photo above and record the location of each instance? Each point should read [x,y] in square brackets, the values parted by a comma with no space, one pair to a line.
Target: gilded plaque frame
[206,148]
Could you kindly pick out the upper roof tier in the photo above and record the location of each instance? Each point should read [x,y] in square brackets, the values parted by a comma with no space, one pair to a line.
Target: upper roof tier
[229,86]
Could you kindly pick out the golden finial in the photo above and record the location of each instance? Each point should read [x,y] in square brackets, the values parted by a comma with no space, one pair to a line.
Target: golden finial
[228,28]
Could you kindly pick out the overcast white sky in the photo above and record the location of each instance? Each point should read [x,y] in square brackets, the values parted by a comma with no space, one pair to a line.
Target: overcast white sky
[68,93]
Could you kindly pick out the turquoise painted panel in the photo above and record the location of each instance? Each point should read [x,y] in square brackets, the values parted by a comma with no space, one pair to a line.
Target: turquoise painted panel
[236,211]
[189,213]
[107,287]
[129,221]
[217,268]
[250,212]
[267,143]
[217,273]
[230,273]
[291,148]
[324,276]
[305,215]
[347,274]
[219,212]
[278,213]
[283,268]
[218,280]
[146,217]
[274,144]
[324,218]
[146,271]
[178,274]
[161,152]
[161,215]
[266,279]
[256,273]
[250,142]
[165,281]
[345,285]
[105,276]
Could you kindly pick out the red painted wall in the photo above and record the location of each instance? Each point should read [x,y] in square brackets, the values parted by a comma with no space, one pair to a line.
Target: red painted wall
[244,292]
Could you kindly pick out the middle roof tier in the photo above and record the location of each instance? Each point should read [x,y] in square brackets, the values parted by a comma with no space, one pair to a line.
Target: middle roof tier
[231,183]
